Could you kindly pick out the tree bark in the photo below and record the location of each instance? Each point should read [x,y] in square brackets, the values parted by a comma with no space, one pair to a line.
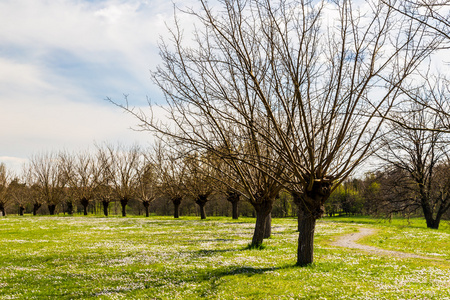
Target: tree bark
[85,203]
[70,207]
[123,203]
[51,209]
[305,250]
[36,206]
[201,201]
[21,210]
[2,210]
[262,209]
[268,226]
[105,207]
[176,207]
[310,206]
[146,204]
[234,198]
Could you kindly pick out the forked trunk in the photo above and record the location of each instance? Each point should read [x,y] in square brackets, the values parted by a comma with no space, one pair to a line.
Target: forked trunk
[146,204]
[85,203]
[105,207]
[268,226]
[176,207]
[51,209]
[36,206]
[123,203]
[305,250]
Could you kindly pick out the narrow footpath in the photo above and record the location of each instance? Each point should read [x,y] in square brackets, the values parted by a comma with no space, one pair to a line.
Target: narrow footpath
[350,241]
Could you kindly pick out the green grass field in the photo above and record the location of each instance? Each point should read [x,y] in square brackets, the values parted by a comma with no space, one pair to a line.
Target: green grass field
[163,258]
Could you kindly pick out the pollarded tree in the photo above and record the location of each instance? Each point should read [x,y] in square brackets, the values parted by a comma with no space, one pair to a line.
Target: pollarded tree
[121,171]
[81,171]
[47,176]
[312,80]
[172,175]
[147,182]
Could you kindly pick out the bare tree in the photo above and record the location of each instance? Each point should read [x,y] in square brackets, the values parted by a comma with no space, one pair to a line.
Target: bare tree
[172,175]
[81,172]
[121,165]
[421,155]
[48,177]
[300,77]
[147,182]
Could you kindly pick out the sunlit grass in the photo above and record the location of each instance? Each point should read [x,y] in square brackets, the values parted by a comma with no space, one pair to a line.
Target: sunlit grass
[163,258]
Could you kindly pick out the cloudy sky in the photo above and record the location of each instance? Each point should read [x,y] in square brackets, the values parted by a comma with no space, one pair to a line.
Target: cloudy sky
[60,59]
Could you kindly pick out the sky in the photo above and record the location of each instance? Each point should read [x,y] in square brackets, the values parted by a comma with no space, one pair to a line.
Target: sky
[60,60]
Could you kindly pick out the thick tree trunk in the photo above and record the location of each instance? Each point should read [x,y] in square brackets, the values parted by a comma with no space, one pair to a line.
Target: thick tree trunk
[268,227]
[234,198]
[146,206]
[2,210]
[36,206]
[201,201]
[305,250]
[262,209]
[123,203]
[51,209]
[105,207]
[176,207]
[85,203]
[310,206]
[21,210]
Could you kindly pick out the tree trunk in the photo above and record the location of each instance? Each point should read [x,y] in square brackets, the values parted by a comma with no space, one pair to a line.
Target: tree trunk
[51,209]
[310,206]
[262,209]
[21,210]
[36,206]
[176,207]
[85,203]
[201,201]
[305,250]
[123,203]
[202,211]
[234,198]
[105,207]
[268,226]
[146,206]
[70,207]
[2,210]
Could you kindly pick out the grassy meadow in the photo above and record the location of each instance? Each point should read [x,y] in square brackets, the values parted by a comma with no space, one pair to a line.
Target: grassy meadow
[164,258]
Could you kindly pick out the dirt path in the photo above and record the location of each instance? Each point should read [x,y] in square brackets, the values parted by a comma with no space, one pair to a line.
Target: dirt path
[350,241]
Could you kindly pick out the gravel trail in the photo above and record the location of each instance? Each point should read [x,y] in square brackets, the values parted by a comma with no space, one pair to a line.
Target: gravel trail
[350,241]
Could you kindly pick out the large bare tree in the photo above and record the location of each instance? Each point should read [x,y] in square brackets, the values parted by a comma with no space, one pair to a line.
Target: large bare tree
[312,81]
